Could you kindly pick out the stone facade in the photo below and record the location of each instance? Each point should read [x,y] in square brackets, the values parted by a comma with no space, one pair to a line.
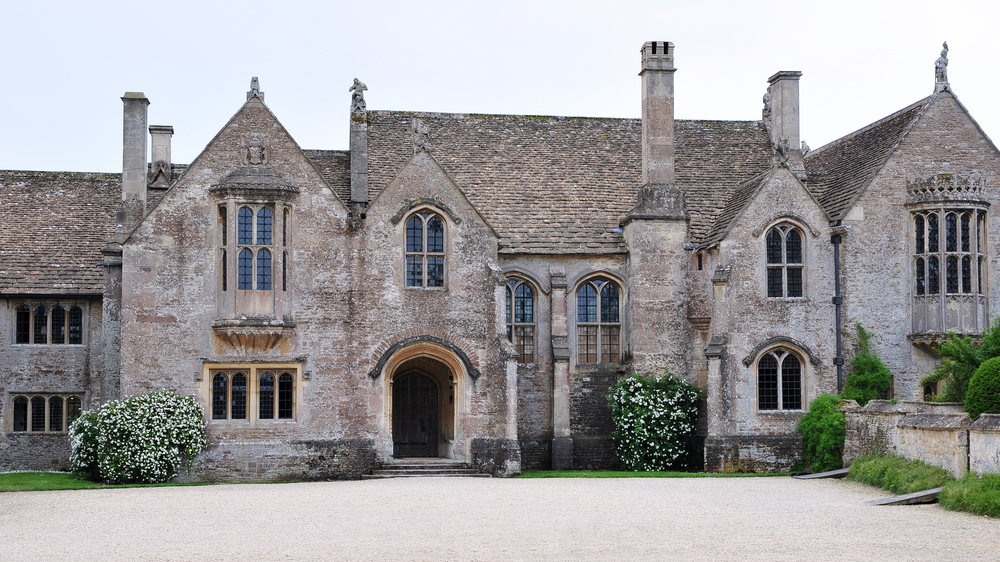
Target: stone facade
[334,309]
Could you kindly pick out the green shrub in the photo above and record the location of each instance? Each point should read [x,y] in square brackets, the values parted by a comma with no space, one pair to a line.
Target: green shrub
[868,378]
[652,417]
[962,356]
[897,474]
[983,394]
[979,494]
[823,430]
[144,439]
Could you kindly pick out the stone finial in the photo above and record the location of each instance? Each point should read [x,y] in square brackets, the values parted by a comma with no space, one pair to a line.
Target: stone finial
[255,90]
[358,97]
[766,112]
[421,136]
[805,148]
[941,70]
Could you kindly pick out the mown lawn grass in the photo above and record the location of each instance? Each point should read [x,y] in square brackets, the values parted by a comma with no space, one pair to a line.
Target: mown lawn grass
[897,474]
[973,494]
[627,474]
[42,481]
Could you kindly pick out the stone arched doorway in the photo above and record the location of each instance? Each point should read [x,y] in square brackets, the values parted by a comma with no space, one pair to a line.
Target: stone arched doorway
[422,406]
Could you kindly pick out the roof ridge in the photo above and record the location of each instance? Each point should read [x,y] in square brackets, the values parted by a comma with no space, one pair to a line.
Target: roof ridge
[870,126]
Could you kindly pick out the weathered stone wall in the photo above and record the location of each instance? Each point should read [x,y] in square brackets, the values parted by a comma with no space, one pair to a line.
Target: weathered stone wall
[590,415]
[34,451]
[264,460]
[499,457]
[871,430]
[937,439]
[984,444]
[752,453]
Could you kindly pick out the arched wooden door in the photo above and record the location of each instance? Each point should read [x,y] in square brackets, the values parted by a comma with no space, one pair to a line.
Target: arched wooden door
[414,416]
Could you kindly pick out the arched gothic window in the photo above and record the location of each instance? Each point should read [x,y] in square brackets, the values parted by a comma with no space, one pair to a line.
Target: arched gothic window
[254,240]
[779,381]
[44,325]
[424,250]
[234,392]
[784,261]
[520,319]
[52,413]
[598,322]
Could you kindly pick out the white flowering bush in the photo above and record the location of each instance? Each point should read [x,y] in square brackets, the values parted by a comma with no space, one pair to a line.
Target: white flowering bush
[652,416]
[144,439]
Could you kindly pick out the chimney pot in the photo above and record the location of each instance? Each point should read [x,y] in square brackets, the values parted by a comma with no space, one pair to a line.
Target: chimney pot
[783,88]
[161,171]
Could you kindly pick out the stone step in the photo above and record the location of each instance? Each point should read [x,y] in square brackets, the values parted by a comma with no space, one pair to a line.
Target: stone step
[428,471]
[411,468]
[379,476]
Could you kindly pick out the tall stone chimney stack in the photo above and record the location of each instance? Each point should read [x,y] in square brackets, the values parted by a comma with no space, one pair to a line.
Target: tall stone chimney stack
[161,173]
[784,121]
[657,113]
[134,154]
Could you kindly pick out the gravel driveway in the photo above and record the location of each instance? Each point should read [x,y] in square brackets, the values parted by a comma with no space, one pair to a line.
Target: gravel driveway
[490,519]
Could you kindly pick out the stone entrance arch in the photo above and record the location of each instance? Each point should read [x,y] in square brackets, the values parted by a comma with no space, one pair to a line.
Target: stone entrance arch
[428,375]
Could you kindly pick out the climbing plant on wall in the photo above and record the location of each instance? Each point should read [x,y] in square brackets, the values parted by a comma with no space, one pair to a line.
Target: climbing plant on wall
[652,417]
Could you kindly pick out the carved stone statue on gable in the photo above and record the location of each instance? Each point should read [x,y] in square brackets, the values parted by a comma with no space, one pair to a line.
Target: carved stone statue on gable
[766,113]
[358,97]
[941,70]
[420,134]
[255,90]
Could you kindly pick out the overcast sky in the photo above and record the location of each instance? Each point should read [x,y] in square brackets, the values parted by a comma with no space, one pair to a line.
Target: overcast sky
[64,65]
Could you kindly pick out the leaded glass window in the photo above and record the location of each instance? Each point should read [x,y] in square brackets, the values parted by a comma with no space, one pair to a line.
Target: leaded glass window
[779,381]
[234,392]
[424,259]
[960,257]
[45,413]
[20,414]
[598,322]
[784,261]
[56,413]
[39,324]
[37,414]
[255,238]
[520,319]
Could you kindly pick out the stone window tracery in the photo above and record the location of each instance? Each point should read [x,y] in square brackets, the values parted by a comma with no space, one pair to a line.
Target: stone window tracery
[425,255]
[254,241]
[784,252]
[520,319]
[51,413]
[598,322]
[779,381]
[254,393]
[55,324]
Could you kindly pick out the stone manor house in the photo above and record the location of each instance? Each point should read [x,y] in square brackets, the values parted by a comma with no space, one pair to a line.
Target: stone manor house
[470,286]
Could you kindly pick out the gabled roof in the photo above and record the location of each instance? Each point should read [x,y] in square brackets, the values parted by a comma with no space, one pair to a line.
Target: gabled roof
[838,172]
[335,167]
[563,184]
[53,226]
[734,205]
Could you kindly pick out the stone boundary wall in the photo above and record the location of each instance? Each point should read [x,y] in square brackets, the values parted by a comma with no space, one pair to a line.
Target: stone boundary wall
[984,444]
[752,453]
[937,433]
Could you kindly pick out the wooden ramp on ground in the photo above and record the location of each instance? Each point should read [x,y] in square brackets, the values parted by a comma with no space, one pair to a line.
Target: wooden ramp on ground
[924,496]
[839,473]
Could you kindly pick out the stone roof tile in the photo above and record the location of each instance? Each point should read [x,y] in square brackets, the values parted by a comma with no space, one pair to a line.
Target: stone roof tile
[335,167]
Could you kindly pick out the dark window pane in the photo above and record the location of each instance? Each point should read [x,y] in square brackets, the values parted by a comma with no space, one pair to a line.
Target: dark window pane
[774,246]
[285,396]
[223,216]
[435,272]
[284,228]
[508,310]
[37,414]
[966,275]
[920,276]
[267,396]
[414,271]
[435,235]
[58,325]
[952,274]
[23,329]
[56,414]
[795,281]
[524,305]
[239,397]
[918,227]
[791,384]
[609,303]
[20,414]
[586,342]
[610,344]
[284,271]
[586,304]
[219,399]
[933,276]
[76,325]
[951,232]
[767,383]
[793,247]
[73,409]
[41,325]
[265,221]
[244,224]
[414,235]
[932,232]
[245,273]
[965,232]
[222,268]
[979,272]
[774,288]
[263,270]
